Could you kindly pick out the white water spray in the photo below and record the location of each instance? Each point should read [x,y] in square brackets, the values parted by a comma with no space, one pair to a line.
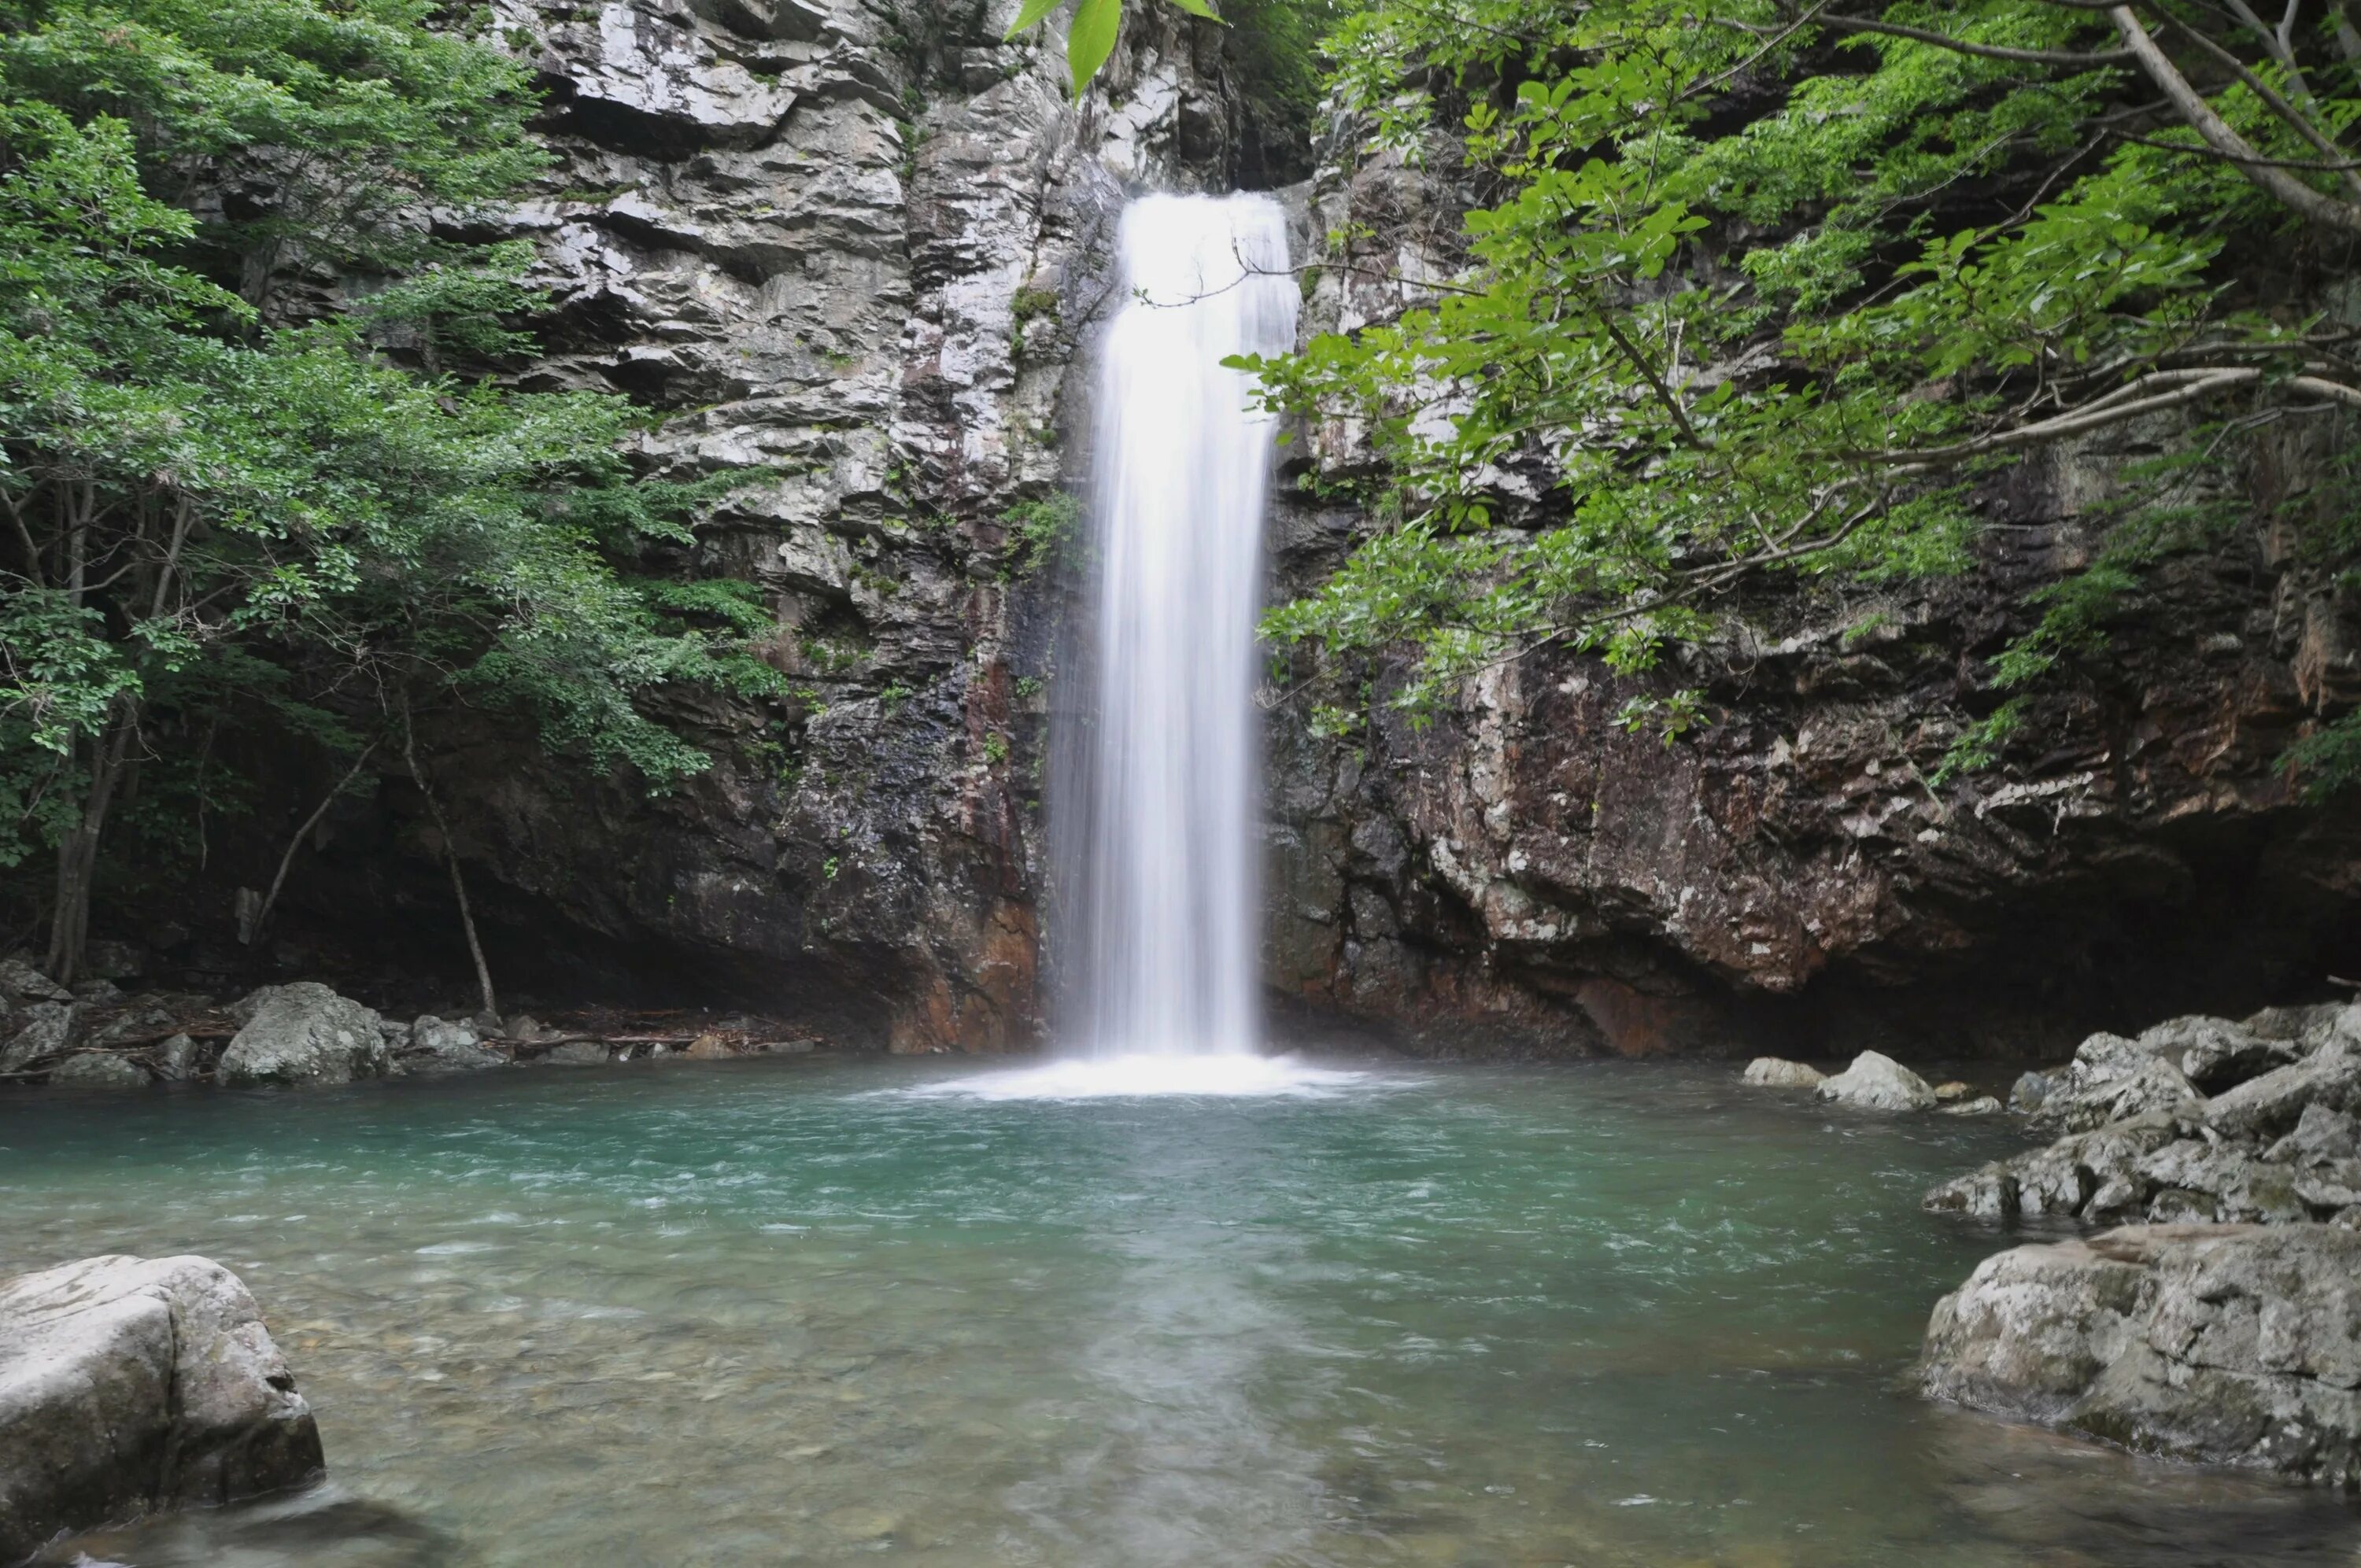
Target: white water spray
[1165,917]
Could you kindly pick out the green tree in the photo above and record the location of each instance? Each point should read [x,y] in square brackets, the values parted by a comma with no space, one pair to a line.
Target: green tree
[1766,288]
[212,520]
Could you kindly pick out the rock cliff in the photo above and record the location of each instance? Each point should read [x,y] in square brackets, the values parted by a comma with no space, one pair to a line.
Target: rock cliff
[850,254]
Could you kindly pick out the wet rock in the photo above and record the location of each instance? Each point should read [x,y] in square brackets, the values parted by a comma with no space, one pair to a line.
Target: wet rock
[529,1030]
[1982,1105]
[782,1047]
[302,1034]
[2230,1345]
[708,1048]
[128,1384]
[98,1069]
[1945,1093]
[47,1030]
[1773,1072]
[2030,1092]
[435,1046]
[1878,1083]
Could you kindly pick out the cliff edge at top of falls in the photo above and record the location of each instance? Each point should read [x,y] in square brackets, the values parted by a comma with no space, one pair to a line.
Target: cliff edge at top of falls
[853,254]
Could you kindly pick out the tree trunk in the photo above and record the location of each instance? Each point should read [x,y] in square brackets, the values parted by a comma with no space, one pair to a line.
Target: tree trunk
[78,851]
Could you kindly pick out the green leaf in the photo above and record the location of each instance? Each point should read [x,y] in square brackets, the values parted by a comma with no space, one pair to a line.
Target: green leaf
[1091,38]
[1028,15]
[1199,8]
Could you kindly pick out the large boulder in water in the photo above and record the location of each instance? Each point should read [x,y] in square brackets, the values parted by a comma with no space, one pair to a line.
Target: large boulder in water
[1776,1072]
[1878,1083]
[128,1384]
[2230,1345]
[301,1034]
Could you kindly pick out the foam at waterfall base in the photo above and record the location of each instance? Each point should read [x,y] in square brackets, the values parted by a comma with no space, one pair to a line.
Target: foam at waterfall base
[1228,1075]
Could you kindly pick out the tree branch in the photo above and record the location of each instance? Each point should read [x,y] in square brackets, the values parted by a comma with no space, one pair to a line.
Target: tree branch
[2200,117]
[2089,61]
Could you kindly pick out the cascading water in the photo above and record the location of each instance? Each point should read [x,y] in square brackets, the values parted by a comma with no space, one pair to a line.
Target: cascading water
[1157,784]
[1158,781]
[1166,916]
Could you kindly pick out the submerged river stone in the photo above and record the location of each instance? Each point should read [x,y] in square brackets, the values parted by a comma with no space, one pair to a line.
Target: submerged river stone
[2230,1345]
[130,1384]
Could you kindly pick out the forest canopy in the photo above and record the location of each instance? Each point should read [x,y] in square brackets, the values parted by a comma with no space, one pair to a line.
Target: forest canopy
[221,516]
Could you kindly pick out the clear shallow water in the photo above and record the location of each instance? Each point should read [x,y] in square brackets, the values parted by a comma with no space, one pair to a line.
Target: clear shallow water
[786,1312]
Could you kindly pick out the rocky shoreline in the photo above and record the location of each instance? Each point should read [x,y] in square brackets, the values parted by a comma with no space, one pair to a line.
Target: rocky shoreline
[2219,1320]
[96,1037]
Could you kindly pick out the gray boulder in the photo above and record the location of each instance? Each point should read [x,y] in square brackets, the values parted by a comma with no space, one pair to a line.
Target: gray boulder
[435,1046]
[2112,1078]
[1772,1072]
[2214,1054]
[2083,1174]
[2229,1345]
[577,1053]
[2306,1025]
[130,1384]
[2274,1103]
[47,1030]
[1877,1082]
[302,1034]
[177,1057]
[99,1069]
[1982,1105]
[20,982]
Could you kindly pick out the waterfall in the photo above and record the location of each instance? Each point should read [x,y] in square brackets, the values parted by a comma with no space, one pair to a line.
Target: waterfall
[1163,902]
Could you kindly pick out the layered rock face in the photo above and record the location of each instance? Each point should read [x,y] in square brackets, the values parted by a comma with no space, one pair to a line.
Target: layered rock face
[130,1384]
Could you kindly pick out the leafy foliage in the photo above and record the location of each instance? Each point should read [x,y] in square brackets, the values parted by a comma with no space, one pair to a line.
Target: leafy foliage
[217,519]
[1765,291]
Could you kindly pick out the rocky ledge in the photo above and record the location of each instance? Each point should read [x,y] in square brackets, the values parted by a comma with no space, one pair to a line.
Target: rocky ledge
[2236,1344]
[131,1384]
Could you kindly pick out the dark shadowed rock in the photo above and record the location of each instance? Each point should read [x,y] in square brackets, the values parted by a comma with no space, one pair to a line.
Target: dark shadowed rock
[132,1384]
[2232,1344]
[99,1069]
[302,1034]
[2268,1106]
